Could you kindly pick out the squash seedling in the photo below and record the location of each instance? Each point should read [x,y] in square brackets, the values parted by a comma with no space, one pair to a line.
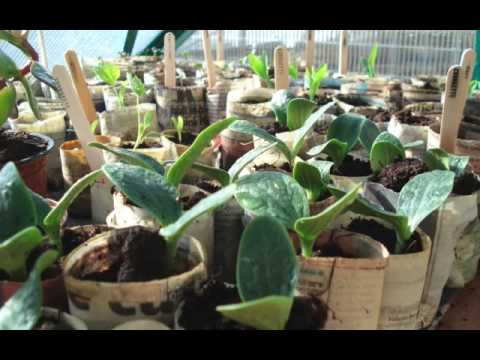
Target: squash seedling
[259,65]
[293,71]
[278,195]
[369,63]
[313,80]
[267,275]
[136,85]
[110,75]
[300,118]
[418,198]
[178,124]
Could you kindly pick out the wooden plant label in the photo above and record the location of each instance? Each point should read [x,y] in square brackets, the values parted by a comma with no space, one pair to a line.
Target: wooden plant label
[310,49]
[343,53]
[169,61]
[220,46]
[207,53]
[281,68]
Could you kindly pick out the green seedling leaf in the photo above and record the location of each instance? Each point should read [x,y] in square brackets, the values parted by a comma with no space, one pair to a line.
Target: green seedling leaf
[310,178]
[147,189]
[8,99]
[310,228]
[16,41]
[259,66]
[23,310]
[368,133]
[132,157]
[269,193]
[385,150]
[178,124]
[309,124]
[298,110]
[246,159]
[458,163]
[293,71]
[266,263]
[314,79]
[346,128]
[52,221]
[136,85]
[279,104]
[335,149]
[122,90]
[372,61]
[414,144]
[8,69]
[15,250]
[217,174]
[93,126]
[249,128]
[108,73]
[32,100]
[17,208]
[270,313]
[42,75]
[421,196]
[436,159]
[42,208]
[178,170]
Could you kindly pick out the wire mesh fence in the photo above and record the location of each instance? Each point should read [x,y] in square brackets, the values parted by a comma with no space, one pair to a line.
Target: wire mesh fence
[401,52]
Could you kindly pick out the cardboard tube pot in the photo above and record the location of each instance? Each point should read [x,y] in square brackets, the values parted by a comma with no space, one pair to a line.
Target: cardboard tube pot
[123,123]
[74,167]
[351,287]
[104,305]
[413,94]
[53,126]
[111,100]
[65,321]
[202,228]
[187,101]
[217,101]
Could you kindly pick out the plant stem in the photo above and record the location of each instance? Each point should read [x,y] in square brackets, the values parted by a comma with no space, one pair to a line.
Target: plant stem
[139,130]
[307,251]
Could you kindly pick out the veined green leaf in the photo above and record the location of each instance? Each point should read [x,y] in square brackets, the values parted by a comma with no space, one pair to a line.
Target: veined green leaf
[42,75]
[335,149]
[385,150]
[136,85]
[213,173]
[346,128]
[279,104]
[436,159]
[298,110]
[458,163]
[108,73]
[368,133]
[310,178]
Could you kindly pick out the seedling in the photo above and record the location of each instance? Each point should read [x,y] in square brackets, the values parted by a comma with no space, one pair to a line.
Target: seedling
[267,275]
[313,80]
[299,116]
[136,85]
[418,198]
[110,75]
[369,63]
[259,65]
[178,125]
[474,87]
[343,135]
[293,71]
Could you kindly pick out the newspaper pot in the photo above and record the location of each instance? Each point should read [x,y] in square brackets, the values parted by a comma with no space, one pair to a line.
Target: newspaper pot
[53,126]
[233,145]
[65,321]
[413,94]
[124,122]
[187,101]
[104,305]
[126,215]
[393,95]
[33,169]
[370,87]
[153,148]
[130,99]
[142,325]
[454,229]
[409,133]
[74,167]
[217,101]
[351,287]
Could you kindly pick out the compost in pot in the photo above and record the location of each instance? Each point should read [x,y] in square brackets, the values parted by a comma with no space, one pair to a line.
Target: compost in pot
[352,167]
[74,237]
[187,138]
[18,145]
[408,117]
[146,144]
[285,167]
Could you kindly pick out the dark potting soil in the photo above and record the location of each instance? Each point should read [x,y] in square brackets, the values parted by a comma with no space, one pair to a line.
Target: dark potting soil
[381,116]
[150,145]
[275,128]
[268,167]
[131,256]
[208,186]
[352,100]
[18,145]
[352,167]
[52,271]
[72,238]
[466,184]
[383,235]
[406,117]
[187,138]
[396,175]
[199,309]
[190,201]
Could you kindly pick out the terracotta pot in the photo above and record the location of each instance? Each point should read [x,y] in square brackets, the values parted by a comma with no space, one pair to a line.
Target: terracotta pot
[54,294]
[33,169]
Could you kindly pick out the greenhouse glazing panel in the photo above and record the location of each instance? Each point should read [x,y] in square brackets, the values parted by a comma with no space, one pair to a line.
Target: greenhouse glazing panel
[401,52]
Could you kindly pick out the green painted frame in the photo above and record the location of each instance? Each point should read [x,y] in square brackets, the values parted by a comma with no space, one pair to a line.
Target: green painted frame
[180,37]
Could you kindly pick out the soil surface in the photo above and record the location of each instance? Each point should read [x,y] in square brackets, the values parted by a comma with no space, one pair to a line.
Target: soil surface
[466,184]
[406,117]
[18,145]
[268,167]
[352,100]
[150,145]
[396,175]
[352,167]
[187,138]
[275,128]
[381,116]
[72,238]
[208,186]
[190,201]
[199,310]
[383,235]
[134,256]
